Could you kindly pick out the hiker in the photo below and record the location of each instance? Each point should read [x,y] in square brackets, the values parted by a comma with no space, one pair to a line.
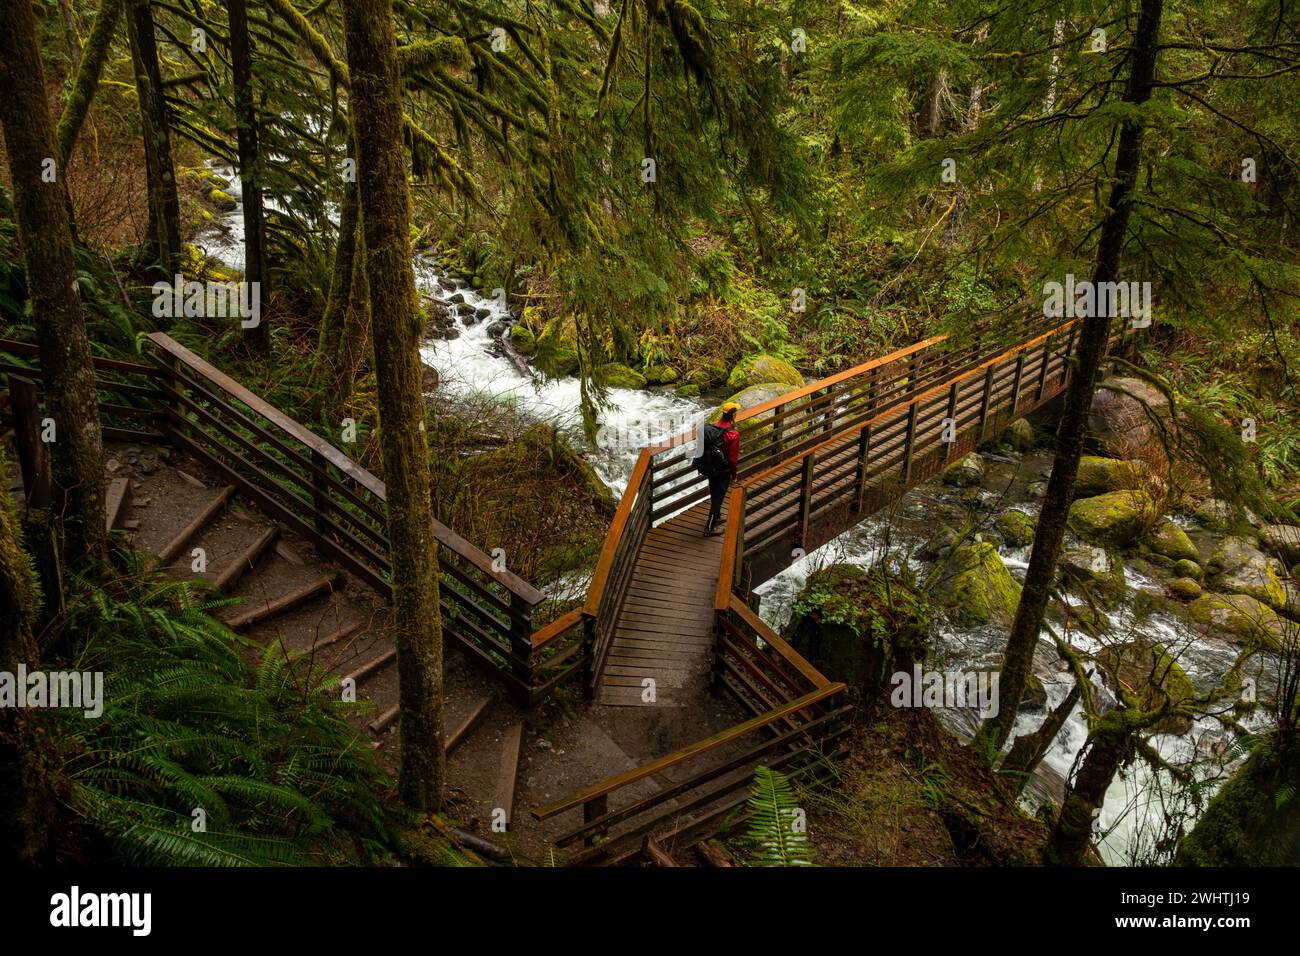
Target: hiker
[719,461]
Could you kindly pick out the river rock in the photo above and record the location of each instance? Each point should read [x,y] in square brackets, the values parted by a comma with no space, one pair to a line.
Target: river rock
[1146,668]
[1016,528]
[977,586]
[965,472]
[762,370]
[660,374]
[1292,607]
[688,390]
[429,378]
[498,328]
[1020,435]
[457,298]
[557,347]
[1238,618]
[1238,568]
[1218,515]
[1036,489]
[522,338]
[748,398]
[1187,569]
[1099,475]
[1093,573]
[707,376]
[620,376]
[1283,540]
[1115,519]
[1121,412]
[1185,589]
[1171,541]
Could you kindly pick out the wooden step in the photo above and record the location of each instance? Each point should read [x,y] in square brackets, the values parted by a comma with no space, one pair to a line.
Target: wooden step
[228,578]
[347,630]
[177,544]
[115,498]
[512,746]
[457,737]
[322,585]
[369,667]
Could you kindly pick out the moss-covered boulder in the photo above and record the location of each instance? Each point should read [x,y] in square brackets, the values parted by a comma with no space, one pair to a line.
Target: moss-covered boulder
[1020,435]
[687,391]
[1246,824]
[523,339]
[763,370]
[708,375]
[1092,573]
[966,472]
[1185,589]
[859,625]
[1099,475]
[1187,569]
[1171,541]
[620,376]
[1115,519]
[1238,618]
[222,200]
[556,353]
[749,398]
[661,374]
[1016,528]
[1219,515]
[1123,413]
[1145,668]
[1237,567]
[1282,540]
[977,587]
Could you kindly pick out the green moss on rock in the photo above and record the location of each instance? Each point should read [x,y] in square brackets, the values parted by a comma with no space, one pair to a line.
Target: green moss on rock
[620,376]
[977,587]
[523,339]
[1171,541]
[1016,528]
[1238,618]
[1115,519]
[557,347]
[762,370]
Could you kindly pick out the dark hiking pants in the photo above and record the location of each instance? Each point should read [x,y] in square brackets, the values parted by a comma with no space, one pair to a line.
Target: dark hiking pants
[718,485]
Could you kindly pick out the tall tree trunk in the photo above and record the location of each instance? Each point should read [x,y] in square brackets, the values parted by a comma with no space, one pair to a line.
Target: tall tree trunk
[250,172]
[164,203]
[70,31]
[41,211]
[86,80]
[22,823]
[1074,419]
[386,214]
[1108,747]
[345,249]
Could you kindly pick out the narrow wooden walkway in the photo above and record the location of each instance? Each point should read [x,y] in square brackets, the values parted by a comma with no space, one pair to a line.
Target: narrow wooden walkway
[665,629]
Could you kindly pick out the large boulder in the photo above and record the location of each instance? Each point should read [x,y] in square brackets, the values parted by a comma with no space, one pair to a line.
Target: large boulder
[1219,515]
[1113,520]
[661,374]
[1099,475]
[1283,540]
[1122,411]
[965,472]
[620,376]
[523,339]
[1020,435]
[1171,541]
[1093,573]
[1238,568]
[977,586]
[762,370]
[1016,528]
[708,375]
[1238,618]
[557,347]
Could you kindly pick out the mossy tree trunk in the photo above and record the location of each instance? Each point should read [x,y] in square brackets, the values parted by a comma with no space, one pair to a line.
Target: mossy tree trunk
[86,79]
[22,824]
[376,112]
[44,232]
[1072,431]
[164,245]
[250,173]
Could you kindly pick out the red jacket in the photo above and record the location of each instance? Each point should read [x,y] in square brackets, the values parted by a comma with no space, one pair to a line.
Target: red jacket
[730,445]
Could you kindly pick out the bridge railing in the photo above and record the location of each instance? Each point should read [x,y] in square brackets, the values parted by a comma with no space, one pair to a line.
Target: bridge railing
[790,424]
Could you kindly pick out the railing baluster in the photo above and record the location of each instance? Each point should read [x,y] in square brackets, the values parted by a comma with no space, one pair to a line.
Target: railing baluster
[952,420]
[1042,372]
[985,399]
[908,442]
[864,461]
[805,497]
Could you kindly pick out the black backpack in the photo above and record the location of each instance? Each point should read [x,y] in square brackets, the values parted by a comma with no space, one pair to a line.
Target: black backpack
[714,461]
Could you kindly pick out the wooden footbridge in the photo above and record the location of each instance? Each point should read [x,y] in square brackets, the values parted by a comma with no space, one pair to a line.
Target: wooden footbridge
[668,612]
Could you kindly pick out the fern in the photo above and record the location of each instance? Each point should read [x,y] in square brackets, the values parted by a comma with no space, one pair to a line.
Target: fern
[775,834]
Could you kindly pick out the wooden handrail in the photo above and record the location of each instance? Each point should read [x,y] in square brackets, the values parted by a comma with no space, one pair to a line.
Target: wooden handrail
[776,642]
[730,541]
[688,752]
[917,399]
[368,480]
[557,627]
[596,589]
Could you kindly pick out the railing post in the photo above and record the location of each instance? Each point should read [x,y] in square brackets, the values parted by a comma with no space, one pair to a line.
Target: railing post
[864,455]
[985,401]
[952,418]
[778,430]
[592,810]
[32,460]
[319,491]
[908,442]
[521,642]
[1069,356]
[805,498]
[589,668]
[1042,372]
[1015,385]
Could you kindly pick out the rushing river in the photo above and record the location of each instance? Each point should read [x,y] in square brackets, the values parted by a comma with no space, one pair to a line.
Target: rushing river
[472,365]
